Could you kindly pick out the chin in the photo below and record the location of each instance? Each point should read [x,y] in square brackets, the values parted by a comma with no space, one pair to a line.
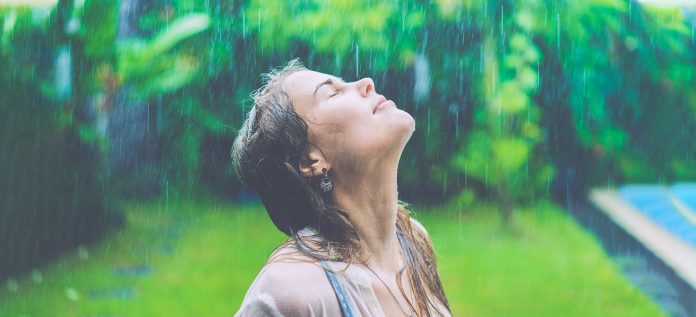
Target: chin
[412,123]
[407,125]
[409,122]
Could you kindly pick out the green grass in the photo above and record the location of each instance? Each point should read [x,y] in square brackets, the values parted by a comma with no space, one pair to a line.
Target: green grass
[550,268]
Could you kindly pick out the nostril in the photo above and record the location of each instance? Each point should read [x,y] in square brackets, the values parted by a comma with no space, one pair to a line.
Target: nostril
[368,88]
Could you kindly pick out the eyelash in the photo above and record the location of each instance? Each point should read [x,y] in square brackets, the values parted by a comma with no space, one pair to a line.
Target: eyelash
[334,94]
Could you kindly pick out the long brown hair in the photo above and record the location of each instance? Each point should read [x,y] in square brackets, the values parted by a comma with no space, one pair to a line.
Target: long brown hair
[268,152]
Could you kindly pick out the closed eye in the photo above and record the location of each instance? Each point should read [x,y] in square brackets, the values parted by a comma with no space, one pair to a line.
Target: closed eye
[337,90]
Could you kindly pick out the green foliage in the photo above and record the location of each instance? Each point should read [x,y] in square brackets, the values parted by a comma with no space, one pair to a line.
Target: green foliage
[149,66]
[336,27]
[101,19]
[623,64]
[503,149]
[51,197]
[9,22]
[517,93]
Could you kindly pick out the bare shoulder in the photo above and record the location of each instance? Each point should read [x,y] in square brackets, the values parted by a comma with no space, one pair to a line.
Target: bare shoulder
[291,284]
[419,226]
[291,270]
[287,265]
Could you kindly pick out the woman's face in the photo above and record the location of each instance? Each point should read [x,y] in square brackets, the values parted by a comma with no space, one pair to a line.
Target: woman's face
[349,122]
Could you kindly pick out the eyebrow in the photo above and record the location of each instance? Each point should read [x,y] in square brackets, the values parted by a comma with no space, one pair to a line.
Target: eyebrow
[326,82]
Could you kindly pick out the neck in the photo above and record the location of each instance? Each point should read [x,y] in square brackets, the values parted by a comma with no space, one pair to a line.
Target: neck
[370,198]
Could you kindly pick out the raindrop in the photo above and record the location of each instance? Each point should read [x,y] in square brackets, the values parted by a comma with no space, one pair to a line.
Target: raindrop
[428,127]
[421,89]
[558,32]
[63,73]
[258,27]
[502,23]
[244,25]
[357,62]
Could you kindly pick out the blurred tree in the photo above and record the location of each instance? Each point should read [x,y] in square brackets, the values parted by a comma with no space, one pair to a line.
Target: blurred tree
[505,148]
[621,73]
[149,69]
[499,89]
[51,195]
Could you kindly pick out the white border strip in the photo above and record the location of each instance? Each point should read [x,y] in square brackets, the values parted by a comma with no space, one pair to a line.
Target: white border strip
[682,208]
[673,251]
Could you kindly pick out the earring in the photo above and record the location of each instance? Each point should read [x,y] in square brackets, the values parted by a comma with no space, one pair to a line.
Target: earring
[326,184]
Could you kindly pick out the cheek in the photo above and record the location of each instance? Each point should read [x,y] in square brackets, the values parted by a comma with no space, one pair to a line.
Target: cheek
[344,118]
[341,132]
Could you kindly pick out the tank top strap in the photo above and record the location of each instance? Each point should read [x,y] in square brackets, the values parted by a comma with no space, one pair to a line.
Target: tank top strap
[341,294]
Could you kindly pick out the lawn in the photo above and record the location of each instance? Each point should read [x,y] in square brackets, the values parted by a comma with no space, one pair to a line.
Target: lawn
[198,259]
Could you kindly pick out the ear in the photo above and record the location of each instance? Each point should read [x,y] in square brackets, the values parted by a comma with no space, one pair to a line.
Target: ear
[313,166]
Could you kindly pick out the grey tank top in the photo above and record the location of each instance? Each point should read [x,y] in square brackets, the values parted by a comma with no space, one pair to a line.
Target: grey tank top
[341,294]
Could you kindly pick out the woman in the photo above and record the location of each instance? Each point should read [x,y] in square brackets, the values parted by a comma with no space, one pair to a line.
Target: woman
[323,156]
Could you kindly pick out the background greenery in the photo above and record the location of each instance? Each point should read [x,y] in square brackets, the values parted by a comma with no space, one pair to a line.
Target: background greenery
[554,94]
[554,268]
[515,101]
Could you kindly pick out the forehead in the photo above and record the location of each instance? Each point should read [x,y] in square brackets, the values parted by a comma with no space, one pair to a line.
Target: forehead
[301,85]
[304,82]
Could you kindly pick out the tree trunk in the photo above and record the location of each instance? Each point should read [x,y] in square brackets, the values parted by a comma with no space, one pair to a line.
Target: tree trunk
[506,205]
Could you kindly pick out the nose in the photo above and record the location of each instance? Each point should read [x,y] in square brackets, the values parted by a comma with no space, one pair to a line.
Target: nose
[366,86]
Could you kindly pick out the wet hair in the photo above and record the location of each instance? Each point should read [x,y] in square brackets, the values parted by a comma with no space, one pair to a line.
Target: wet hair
[268,152]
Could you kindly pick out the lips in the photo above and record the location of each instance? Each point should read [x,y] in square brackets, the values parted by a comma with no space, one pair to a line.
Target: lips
[381,99]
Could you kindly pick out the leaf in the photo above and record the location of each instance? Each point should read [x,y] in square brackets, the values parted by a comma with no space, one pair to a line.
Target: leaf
[525,20]
[181,29]
[511,98]
[527,78]
[613,138]
[510,154]
[136,56]
[180,74]
[147,64]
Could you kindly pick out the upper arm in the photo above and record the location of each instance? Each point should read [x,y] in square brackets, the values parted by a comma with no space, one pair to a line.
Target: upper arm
[416,224]
[420,232]
[290,289]
[426,245]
